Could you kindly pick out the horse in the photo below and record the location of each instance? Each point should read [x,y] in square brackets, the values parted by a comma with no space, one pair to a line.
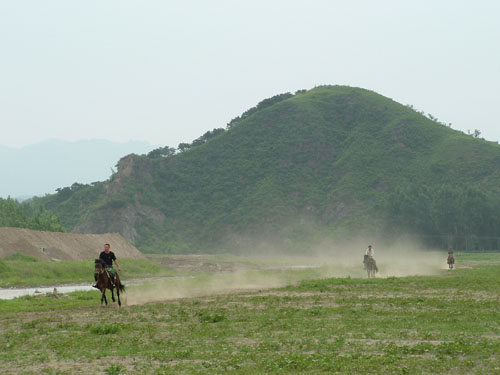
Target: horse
[370,266]
[451,261]
[103,282]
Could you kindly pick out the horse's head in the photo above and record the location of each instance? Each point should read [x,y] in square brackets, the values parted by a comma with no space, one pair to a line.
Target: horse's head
[98,265]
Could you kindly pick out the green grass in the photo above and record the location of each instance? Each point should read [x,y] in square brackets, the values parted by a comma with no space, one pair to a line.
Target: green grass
[446,324]
[23,270]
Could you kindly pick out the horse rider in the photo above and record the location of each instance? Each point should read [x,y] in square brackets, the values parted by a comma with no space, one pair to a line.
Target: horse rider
[369,253]
[109,257]
[451,259]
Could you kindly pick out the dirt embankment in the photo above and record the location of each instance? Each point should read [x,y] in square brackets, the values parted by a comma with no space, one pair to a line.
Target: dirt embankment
[62,246]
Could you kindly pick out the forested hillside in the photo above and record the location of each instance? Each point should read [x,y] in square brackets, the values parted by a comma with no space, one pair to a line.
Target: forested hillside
[14,214]
[295,170]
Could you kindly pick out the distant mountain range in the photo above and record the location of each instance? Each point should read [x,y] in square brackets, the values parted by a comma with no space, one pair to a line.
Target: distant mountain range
[298,170]
[41,168]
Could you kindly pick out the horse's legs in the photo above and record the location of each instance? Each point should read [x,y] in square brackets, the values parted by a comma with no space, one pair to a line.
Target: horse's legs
[118,294]
[112,294]
[103,297]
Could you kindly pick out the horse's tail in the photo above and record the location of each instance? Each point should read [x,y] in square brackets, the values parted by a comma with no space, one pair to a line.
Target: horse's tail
[121,287]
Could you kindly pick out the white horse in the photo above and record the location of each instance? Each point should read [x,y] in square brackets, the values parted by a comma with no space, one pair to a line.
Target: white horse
[370,266]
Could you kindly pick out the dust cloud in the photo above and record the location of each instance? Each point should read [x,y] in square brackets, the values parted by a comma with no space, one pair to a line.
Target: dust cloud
[405,257]
[204,285]
[276,269]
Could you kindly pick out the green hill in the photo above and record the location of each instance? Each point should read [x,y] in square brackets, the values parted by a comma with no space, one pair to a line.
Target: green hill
[328,162]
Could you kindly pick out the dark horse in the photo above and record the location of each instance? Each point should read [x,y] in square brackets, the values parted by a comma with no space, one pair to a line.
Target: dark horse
[451,260]
[103,281]
[370,266]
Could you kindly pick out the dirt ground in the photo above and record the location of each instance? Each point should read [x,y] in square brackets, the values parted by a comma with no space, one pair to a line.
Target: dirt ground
[62,246]
[200,263]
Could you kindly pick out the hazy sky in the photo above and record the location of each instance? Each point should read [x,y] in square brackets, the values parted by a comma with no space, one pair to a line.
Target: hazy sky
[167,71]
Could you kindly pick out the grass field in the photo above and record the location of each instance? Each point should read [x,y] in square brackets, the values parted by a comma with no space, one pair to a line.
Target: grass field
[447,323]
[19,270]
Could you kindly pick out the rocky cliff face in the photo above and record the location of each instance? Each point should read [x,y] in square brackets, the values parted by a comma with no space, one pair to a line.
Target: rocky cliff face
[130,168]
[124,220]
[123,212]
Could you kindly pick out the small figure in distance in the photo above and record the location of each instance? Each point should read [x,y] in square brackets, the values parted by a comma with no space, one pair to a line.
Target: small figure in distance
[370,252]
[369,262]
[451,259]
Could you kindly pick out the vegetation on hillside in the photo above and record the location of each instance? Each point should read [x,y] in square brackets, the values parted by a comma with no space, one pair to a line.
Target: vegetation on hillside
[15,214]
[298,168]
[170,151]
[467,216]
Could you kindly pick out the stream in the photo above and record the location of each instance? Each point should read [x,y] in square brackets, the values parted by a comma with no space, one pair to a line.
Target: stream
[11,293]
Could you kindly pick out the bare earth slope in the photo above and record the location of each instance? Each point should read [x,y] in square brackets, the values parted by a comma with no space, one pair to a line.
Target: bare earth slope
[62,246]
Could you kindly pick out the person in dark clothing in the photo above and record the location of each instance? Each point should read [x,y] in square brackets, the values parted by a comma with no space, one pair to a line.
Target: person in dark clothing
[109,257]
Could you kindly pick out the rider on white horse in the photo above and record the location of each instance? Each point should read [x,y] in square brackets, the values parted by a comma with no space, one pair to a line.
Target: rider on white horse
[370,252]
[369,260]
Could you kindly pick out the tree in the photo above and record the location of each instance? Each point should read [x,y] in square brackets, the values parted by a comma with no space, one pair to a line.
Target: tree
[261,105]
[14,214]
[183,147]
[161,152]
